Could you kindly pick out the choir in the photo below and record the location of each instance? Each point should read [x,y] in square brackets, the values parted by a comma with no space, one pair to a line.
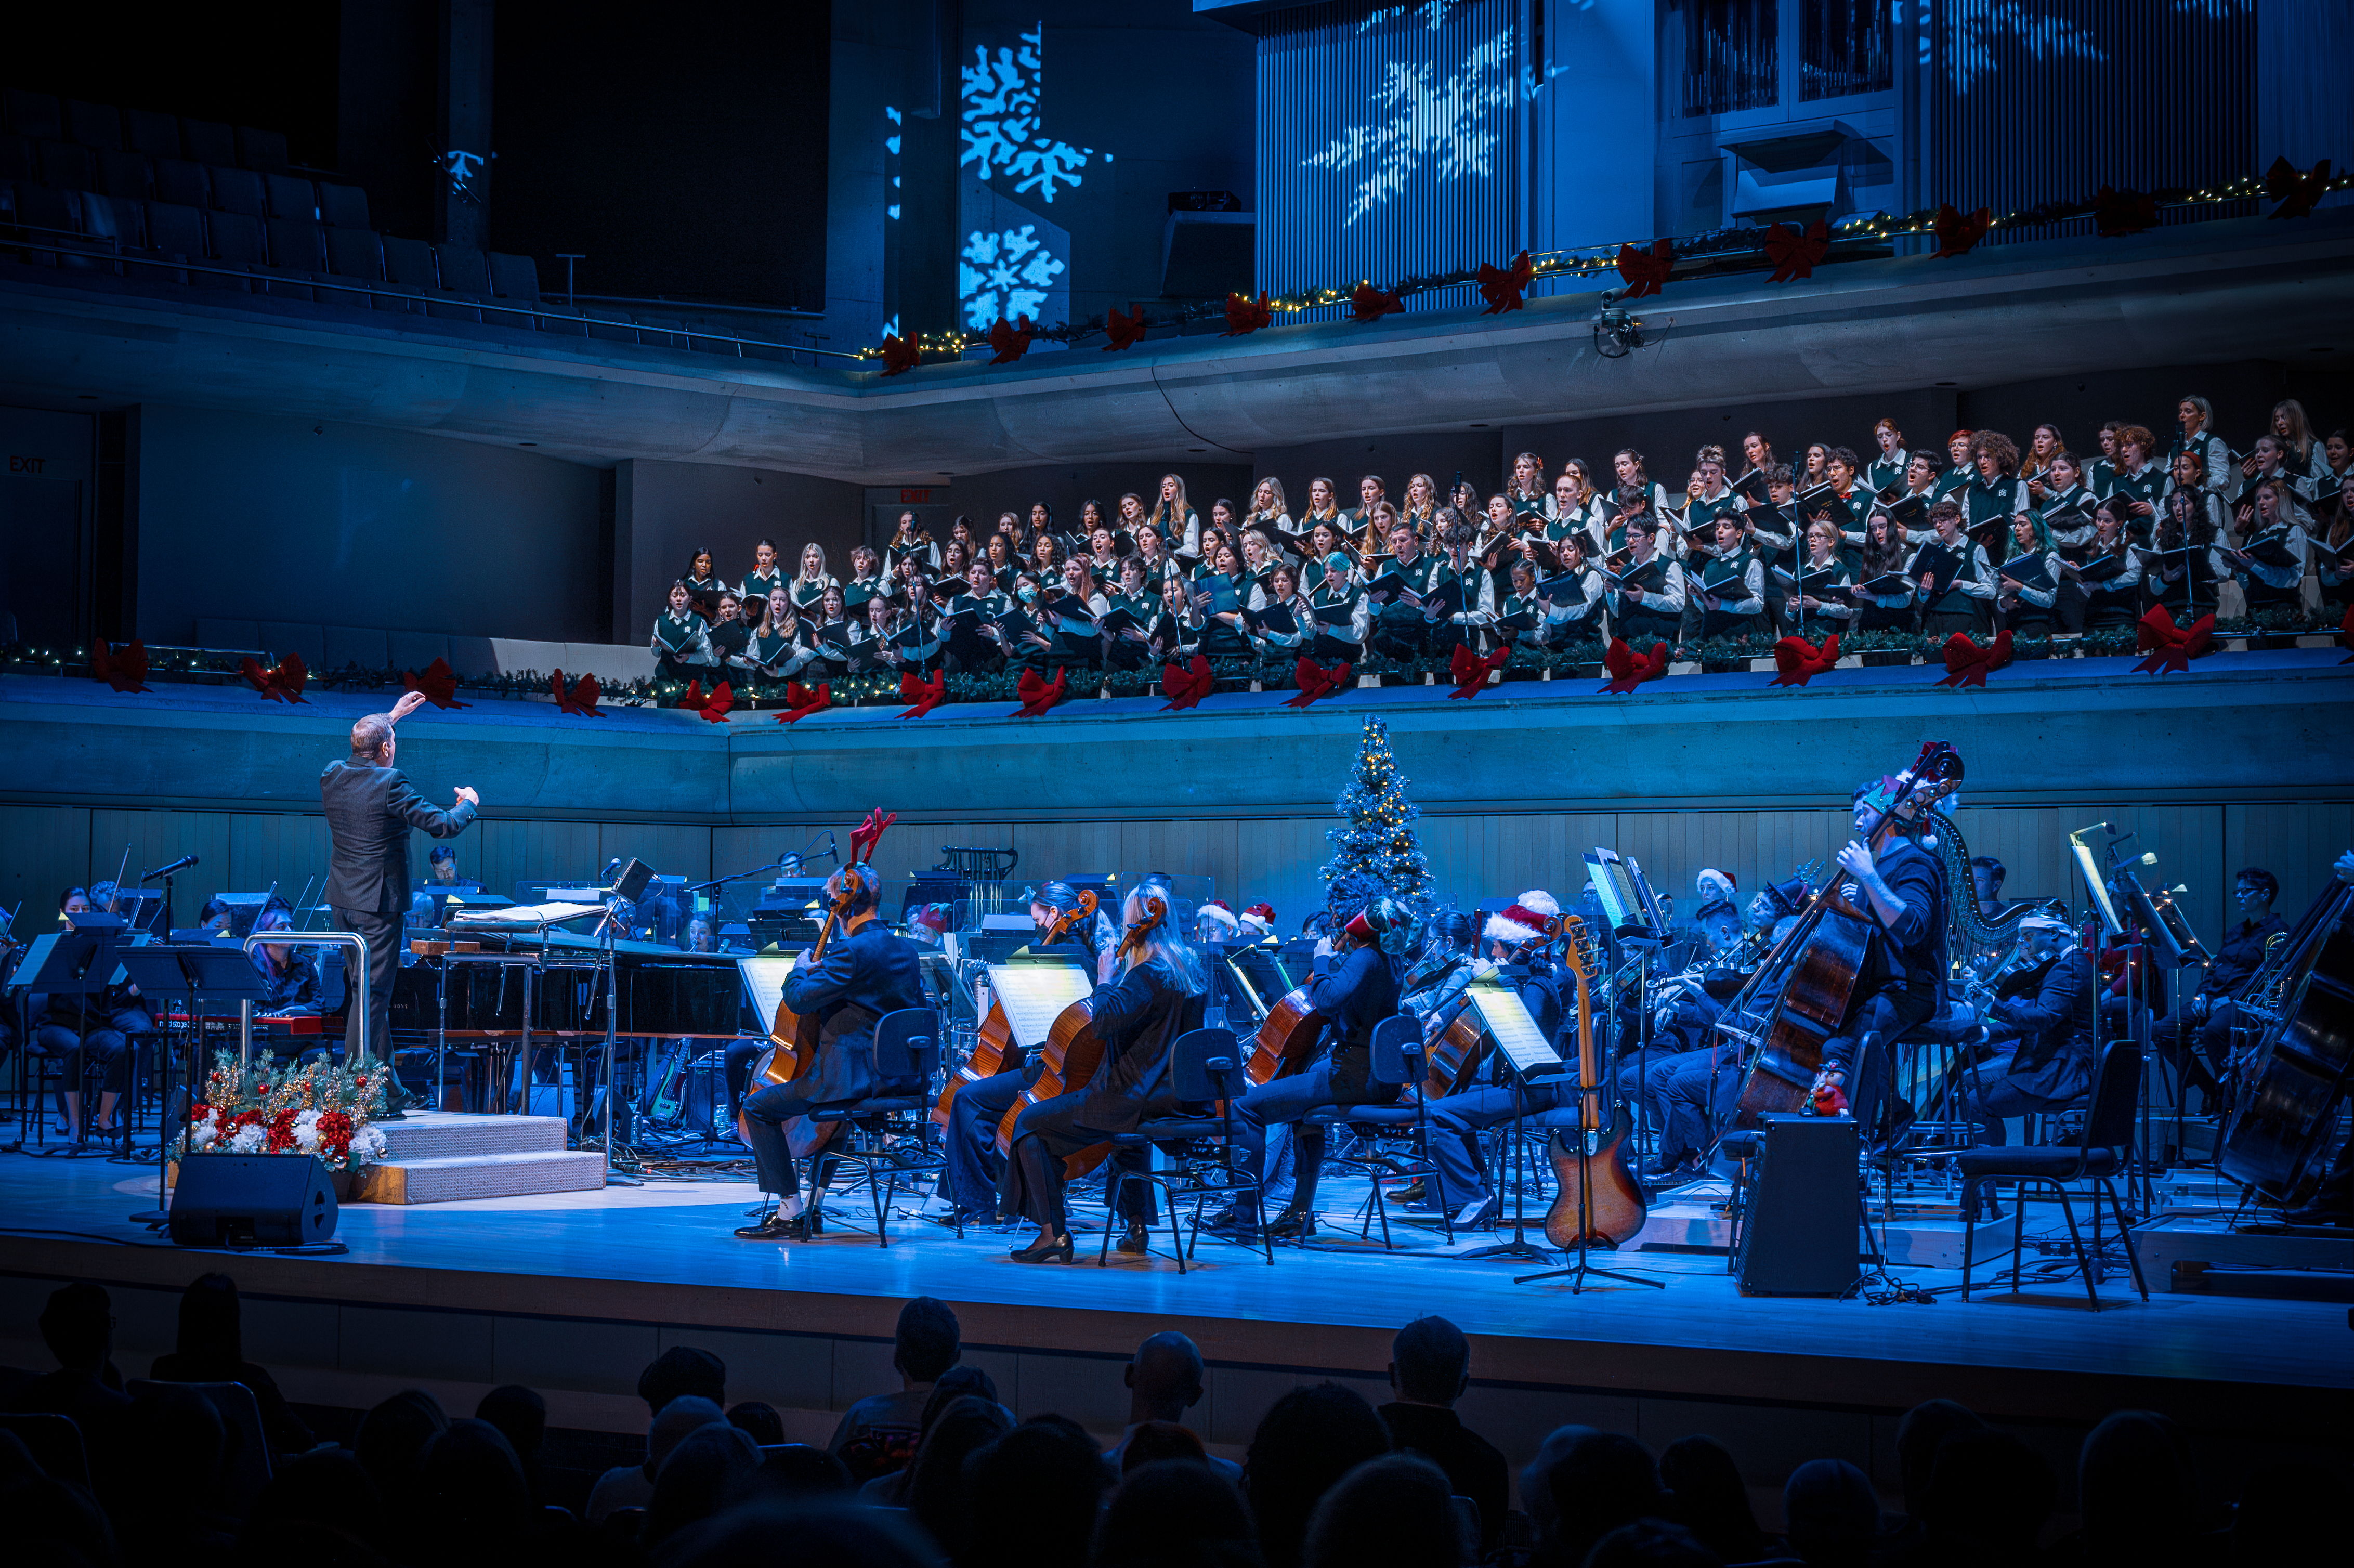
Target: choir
[1984,538]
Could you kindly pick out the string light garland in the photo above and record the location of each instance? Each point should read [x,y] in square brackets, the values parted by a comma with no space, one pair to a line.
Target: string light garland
[1738,248]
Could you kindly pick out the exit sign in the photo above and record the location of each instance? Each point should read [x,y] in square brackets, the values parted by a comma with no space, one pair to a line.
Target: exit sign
[914,497]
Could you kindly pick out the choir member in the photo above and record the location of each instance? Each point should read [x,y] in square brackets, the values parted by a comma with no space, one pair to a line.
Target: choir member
[1361,522]
[1816,471]
[1160,567]
[2101,474]
[1103,555]
[811,582]
[830,637]
[977,606]
[2026,584]
[2066,514]
[1181,527]
[998,558]
[1887,551]
[1577,508]
[1323,505]
[1421,508]
[1571,601]
[1177,631]
[1402,631]
[1268,511]
[1637,490]
[1706,495]
[1046,558]
[2111,574]
[1525,490]
[703,584]
[1649,606]
[867,581]
[1995,493]
[2270,561]
[1220,598]
[2044,445]
[2138,478]
[1472,613]
[1956,585]
[678,636]
[1887,468]
[910,541]
[1270,640]
[2295,434]
[1959,470]
[1756,452]
[2182,572]
[2270,458]
[2333,559]
[1343,616]
[1816,592]
[765,574]
[782,647]
[2194,423]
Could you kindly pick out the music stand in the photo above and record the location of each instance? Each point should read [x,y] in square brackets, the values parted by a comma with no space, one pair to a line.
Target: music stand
[202,973]
[60,963]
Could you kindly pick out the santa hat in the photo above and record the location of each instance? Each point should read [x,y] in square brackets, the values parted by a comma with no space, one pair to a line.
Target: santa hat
[1523,920]
[1261,917]
[1216,913]
[1726,877]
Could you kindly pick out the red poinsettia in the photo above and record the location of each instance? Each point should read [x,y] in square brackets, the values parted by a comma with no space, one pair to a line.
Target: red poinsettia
[1125,331]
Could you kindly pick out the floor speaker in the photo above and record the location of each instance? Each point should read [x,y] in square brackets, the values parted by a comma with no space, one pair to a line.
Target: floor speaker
[252,1199]
[703,1100]
[1799,1232]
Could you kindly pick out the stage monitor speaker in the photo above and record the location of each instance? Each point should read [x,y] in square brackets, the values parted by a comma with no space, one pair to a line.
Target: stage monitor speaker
[252,1199]
[1800,1229]
[702,1097]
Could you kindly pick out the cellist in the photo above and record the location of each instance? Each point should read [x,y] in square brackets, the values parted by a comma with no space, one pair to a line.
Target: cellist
[1150,989]
[864,973]
[1902,889]
[973,1115]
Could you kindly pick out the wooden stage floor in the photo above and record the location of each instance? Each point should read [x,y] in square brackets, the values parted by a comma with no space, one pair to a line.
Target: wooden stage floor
[628,1269]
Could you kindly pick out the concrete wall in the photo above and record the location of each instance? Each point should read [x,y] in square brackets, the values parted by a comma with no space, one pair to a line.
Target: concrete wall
[663,511]
[246,516]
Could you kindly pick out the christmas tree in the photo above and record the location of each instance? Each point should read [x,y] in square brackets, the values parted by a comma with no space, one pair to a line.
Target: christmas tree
[1374,849]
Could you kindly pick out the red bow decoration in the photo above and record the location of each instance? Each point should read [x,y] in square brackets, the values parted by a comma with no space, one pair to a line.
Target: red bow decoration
[1958,236]
[1628,669]
[801,701]
[1796,255]
[2346,636]
[2296,190]
[925,696]
[1502,290]
[1802,660]
[1471,672]
[1038,695]
[2116,213]
[1645,271]
[580,697]
[281,684]
[2171,647]
[867,834]
[1245,316]
[1009,339]
[439,683]
[899,355]
[1968,664]
[1186,684]
[1125,331]
[125,672]
[723,697]
[1316,681]
[1370,305]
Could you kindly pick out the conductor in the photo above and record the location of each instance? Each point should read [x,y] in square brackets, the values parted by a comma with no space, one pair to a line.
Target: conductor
[370,808]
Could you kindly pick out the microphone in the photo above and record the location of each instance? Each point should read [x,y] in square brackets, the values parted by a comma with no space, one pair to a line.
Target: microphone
[182,863]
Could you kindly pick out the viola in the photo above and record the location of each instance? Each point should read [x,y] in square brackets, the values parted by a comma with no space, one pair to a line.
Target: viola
[1074,1053]
[1823,955]
[1598,1197]
[996,1037]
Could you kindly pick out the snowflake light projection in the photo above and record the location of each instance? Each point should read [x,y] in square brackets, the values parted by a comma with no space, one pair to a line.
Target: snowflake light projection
[1451,127]
[1975,31]
[1007,273]
[1001,129]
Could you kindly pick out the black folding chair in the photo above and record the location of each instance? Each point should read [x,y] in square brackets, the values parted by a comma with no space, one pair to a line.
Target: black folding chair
[1397,1062]
[1206,1072]
[906,1052]
[2097,1156]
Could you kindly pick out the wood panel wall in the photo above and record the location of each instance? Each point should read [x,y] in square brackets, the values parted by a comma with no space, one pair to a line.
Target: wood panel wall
[44,849]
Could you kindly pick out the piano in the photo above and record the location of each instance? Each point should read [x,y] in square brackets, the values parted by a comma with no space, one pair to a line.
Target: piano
[497,980]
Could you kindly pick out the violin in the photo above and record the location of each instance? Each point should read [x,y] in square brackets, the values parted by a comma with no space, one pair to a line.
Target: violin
[1074,1054]
[995,1040]
[1598,1199]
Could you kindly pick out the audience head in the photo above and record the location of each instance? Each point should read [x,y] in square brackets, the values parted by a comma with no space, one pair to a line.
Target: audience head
[1031,1497]
[1925,1427]
[1989,1496]
[802,1470]
[521,1416]
[958,1383]
[472,1487]
[1430,1361]
[1307,1441]
[2135,1492]
[683,1370]
[1831,1514]
[1152,1441]
[1164,1378]
[669,1428]
[1591,1486]
[935,1491]
[1388,1512]
[927,1342]
[78,1326]
[1175,1513]
[1709,1499]
[210,1321]
[173,1437]
[393,1437]
[712,1468]
[759,1421]
[779,1533]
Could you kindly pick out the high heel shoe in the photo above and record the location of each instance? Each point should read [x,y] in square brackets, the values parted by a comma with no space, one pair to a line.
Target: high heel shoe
[1059,1250]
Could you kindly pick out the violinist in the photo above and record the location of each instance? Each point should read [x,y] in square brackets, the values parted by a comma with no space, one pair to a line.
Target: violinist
[2040,1024]
[1520,946]
[1150,989]
[1901,889]
[1358,992]
[864,972]
[86,1029]
[973,1166]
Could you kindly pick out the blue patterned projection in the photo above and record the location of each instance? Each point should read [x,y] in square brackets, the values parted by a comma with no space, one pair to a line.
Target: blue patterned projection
[1011,261]
[1001,128]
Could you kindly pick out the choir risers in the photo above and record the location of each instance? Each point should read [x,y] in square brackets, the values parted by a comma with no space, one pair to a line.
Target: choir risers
[441,1157]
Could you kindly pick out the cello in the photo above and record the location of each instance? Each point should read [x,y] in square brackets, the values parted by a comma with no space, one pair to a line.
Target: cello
[2293,1077]
[1823,954]
[1072,1054]
[794,1037]
[1286,1040]
[996,1036]
[1599,1201]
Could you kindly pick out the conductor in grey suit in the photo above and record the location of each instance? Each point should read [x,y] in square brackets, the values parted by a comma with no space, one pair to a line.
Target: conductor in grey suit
[370,808]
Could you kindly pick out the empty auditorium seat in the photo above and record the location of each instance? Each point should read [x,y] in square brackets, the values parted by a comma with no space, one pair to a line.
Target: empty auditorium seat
[121,218]
[182,183]
[464,269]
[410,262]
[354,253]
[346,646]
[237,636]
[291,195]
[208,142]
[237,242]
[284,637]
[35,114]
[415,649]
[67,166]
[126,174]
[344,207]
[176,230]
[98,125]
[40,207]
[152,132]
[18,161]
[239,191]
[261,150]
[515,277]
[295,244]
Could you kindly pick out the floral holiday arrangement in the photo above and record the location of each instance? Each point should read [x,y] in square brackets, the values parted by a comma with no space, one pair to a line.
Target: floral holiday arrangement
[318,1108]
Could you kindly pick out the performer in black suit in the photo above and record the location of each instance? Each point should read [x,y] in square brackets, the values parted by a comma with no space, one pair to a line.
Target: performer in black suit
[864,973]
[1902,889]
[370,808]
[1157,996]
[2039,1032]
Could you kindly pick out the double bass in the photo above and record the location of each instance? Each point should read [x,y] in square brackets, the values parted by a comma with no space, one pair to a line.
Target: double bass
[996,1036]
[1823,954]
[2293,1077]
[1598,1199]
[1072,1054]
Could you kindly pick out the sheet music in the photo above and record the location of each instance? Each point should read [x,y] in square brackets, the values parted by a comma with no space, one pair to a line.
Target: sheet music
[1613,886]
[764,984]
[522,917]
[1515,1033]
[1034,995]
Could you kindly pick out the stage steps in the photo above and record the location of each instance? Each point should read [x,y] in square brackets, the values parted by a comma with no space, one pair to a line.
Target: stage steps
[441,1157]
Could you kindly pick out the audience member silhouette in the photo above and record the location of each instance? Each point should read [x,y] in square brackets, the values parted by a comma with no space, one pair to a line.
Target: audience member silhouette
[309,1502]
[1590,1483]
[1389,1512]
[1989,1496]
[521,1416]
[211,1349]
[1652,1543]
[711,1470]
[172,1440]
[1708,1498]
[878,1434]
[757,1420]
[1031,1498]
[1307,1441]
[803,1470]
[473,1504]
[632,1486]
[1151,1442]
[392,1439]
[1164,1382]
[1175,1513]
[2136,1494]
[1430,1367]
[1831,1514]
[936,1483]
[681,1371]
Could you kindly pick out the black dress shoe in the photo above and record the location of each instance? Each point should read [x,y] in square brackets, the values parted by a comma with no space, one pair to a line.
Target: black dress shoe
[1293,1225]
[1414,1192]
[776,1227]
[1059,1250]
[1137,1241]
